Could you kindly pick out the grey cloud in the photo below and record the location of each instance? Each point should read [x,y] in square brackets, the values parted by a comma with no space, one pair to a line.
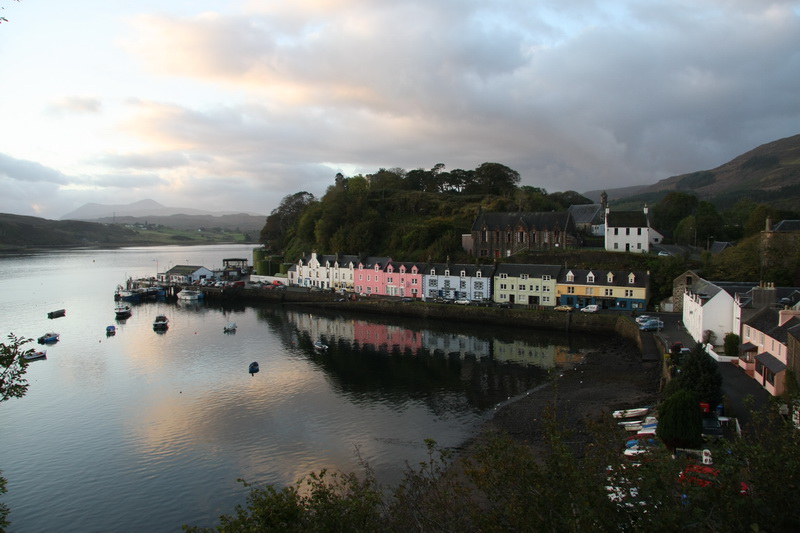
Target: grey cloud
[30,171]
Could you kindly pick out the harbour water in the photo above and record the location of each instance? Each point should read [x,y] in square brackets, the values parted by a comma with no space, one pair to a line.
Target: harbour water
[146,430]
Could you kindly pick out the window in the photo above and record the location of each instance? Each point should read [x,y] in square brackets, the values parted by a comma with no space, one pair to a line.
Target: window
[545,288]
[609,292]
[631,278]
[545,299]
[610,278]
[447,272]
[432,282]
[478,285]
[463,273]
[570,276]
[570,290]
[523,287]
[523,276]
[627,231]
[389,280]
[638,246]
[478,274]
[546,277]
[590,278]
[616,246]
[433,272]
[503,286]
[616,231]
[628,293]
[639,231]
[503,276]
[589,291]
[414,281]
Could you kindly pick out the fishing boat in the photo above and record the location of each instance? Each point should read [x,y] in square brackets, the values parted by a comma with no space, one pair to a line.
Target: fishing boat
[122,310]
[230,328]
[57,314]
[111,330]
[161,323]
[49,338]
[320,346]
[253,368]
[34,355]
[190,294]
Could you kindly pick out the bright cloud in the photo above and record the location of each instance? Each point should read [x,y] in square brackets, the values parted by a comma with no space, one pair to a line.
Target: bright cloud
[233,106]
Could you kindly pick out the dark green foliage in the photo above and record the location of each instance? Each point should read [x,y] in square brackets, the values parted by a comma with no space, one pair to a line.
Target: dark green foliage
[13,368]
[680,424]
[696,180]
[731,345]
[673,208]
[759,162]
[699,374]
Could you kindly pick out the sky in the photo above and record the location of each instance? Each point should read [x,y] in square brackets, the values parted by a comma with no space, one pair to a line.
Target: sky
[231,106]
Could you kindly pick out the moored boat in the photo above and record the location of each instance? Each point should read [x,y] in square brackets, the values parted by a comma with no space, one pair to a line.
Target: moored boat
[49,338]
[57,314]
[161,322]
[34,355]
[111,330]
[190,294]
[321,346]
[230,328]
[122,310]
[253,368]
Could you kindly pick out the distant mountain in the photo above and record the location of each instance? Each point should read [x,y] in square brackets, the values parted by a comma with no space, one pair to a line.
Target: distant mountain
[143,208]
[767,174]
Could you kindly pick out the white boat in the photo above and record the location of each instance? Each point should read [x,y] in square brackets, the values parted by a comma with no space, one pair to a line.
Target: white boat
[34,355]
[631,413]
[647,423]
[190,294]
[230,328]
[161,322]
[122,310]
[321,346]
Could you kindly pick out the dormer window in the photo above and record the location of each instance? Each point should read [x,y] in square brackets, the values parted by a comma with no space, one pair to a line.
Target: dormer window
[433,272]
[570,277]
[631,278]
[463,273]
[478,274]
[590,278]
[610,278]
[446,272]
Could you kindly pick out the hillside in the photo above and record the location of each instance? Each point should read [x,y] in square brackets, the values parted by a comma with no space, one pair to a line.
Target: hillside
[769,174]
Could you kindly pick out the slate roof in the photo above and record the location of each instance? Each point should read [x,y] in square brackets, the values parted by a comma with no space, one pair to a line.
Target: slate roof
[787,225]
[626,219]
[539,220]
[534,271]
[642,279]
[456,268]
[771,362]
[586,214]
[183,269]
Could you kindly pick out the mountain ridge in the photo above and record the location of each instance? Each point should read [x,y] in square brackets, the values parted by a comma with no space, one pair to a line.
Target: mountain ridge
[142,208]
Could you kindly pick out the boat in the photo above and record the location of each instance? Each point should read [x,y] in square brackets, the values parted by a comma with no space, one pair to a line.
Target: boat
[321,346]
[34,355]
[123,310]
[57,314]
[631,413]
[230,328]
[647,423]
[111,330]
[49,338]
[253,368]
[189,294]
[161,322]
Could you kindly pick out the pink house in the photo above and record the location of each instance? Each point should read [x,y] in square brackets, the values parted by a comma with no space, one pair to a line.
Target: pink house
[370,276]
[404,279]
[763,353]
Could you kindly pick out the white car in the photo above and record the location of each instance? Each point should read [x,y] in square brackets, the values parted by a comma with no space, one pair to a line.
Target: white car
[462,301]
[591,309]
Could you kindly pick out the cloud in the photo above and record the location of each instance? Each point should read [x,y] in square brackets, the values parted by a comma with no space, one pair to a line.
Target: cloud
[69,105]
[29,171]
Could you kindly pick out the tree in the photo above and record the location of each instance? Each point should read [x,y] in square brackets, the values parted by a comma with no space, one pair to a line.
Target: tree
[280,221]
[680,423]
[700,375]
[673,208]
[12,368]
[731,344]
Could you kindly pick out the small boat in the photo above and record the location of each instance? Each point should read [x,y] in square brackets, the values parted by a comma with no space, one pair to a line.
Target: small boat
[48,338]
[111,330]
[253,368]
[230,328]
[57,314]
[123,310]
[631,413]
[649,422]
[321,346]
[161,322]
[34,355]
[189,294]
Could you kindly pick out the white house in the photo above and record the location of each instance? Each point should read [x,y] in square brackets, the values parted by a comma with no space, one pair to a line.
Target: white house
[324,271]
[453,281]
[630,231]
[186,274]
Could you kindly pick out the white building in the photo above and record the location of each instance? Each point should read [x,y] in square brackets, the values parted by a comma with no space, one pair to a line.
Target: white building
[630,231]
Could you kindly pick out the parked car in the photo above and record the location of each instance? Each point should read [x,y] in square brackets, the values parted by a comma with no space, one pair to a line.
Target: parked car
[591,309]
[652,325]
[564,308]
[712,427]
[462,301]
[641,319]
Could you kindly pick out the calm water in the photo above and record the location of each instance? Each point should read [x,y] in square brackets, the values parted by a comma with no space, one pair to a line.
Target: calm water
[145,431]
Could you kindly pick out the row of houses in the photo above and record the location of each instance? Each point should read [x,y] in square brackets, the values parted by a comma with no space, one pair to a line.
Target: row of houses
[766,319]
[505,283]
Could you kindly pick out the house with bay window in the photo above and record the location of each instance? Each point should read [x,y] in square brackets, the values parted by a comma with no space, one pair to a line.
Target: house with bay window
[454,281]
[516,284]
[620,290]
[764,353]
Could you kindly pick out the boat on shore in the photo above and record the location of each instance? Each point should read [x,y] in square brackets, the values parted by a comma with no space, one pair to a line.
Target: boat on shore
[631,413]
[49,338]
[57,313]
[161,323]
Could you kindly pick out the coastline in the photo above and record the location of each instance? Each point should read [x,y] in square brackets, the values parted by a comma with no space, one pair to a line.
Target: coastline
[610,378]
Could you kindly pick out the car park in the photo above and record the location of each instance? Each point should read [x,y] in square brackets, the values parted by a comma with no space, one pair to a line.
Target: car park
[591,309]
[652,325]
